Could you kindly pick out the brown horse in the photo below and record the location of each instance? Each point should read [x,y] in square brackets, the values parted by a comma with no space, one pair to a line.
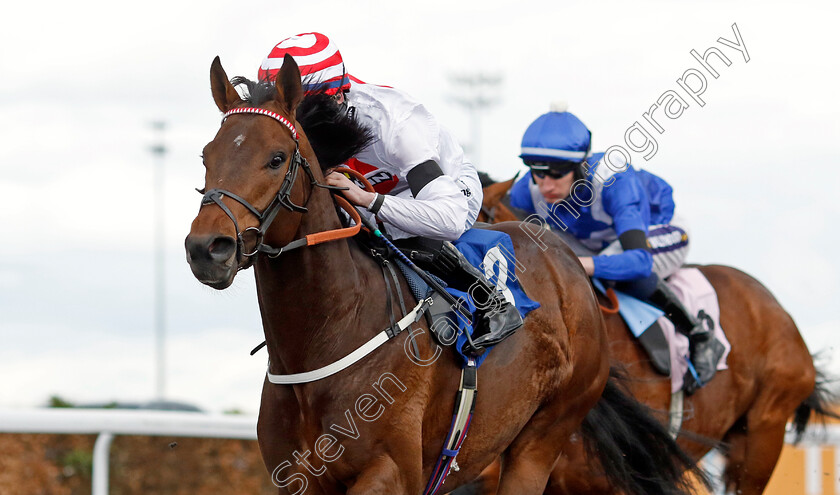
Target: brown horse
[771,379]
[378,426]
[493,206]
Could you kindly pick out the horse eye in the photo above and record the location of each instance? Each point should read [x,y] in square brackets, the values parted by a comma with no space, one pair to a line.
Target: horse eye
[277,161]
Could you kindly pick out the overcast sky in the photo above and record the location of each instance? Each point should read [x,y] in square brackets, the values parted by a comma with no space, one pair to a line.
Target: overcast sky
[755,169]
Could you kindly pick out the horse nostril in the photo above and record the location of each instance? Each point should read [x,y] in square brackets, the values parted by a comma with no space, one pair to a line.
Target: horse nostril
[222,248]
[203,249]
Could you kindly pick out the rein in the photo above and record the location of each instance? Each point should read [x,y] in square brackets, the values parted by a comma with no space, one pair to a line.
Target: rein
[613,299]
[281,200]
[490,213]
[396,327]
[465,402]
[267,216]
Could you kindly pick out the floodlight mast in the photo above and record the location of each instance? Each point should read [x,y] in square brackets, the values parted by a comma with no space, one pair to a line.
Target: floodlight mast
[159,151]
[475,95]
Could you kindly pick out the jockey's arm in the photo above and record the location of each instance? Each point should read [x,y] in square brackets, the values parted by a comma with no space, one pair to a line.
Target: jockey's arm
[624,202]
[588,265]
[439,209]
[633,263]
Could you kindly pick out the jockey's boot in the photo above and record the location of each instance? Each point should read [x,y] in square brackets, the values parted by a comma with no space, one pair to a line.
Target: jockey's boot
[497,318]
[705,350]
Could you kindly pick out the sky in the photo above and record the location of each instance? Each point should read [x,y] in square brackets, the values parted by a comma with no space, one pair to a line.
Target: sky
[754,168]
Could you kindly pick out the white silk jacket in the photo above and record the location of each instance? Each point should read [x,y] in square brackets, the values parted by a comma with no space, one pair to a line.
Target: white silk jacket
[407,135]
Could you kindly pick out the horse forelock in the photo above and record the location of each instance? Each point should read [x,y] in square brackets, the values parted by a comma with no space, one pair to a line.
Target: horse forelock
[255,93]
[334,134]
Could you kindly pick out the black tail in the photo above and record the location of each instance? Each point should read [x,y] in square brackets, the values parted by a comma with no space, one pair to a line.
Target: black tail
[821,402]
[636,452]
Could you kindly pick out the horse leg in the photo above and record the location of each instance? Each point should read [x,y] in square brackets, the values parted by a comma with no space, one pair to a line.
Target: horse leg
[576,474]
[736,441]
[528,462]
[487,482]
[525,470]
[755,454]
[276,427]
[761,452]
[384,477]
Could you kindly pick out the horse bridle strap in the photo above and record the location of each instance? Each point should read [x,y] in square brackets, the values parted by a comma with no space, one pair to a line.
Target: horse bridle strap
[284,194]
[343,233]
[265,218]
[354,357]
[320,237]
[281,199]
[267,113]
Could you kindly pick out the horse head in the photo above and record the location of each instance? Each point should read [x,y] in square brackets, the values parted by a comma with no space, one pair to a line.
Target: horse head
[492,208]
[251,175]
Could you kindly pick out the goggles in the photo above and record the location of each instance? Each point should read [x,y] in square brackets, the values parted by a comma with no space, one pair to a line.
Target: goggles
[543,169]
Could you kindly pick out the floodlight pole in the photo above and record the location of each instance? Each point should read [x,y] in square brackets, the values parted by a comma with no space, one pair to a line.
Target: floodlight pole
[159,151]
[475,98]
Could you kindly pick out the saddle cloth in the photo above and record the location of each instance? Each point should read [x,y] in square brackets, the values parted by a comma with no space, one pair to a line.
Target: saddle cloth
[491,252]
[698,296]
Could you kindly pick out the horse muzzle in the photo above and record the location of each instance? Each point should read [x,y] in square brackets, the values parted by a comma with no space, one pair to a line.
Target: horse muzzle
[212,259]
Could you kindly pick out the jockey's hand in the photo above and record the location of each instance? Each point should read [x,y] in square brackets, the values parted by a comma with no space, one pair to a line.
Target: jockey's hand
[354,193]
[588,265]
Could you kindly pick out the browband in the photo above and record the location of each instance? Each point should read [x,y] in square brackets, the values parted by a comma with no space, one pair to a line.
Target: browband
[267,113]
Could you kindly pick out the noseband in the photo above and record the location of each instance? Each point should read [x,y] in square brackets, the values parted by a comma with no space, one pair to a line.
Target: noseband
[281,199]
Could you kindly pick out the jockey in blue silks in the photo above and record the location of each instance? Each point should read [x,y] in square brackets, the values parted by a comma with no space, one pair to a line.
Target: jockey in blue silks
[625,217]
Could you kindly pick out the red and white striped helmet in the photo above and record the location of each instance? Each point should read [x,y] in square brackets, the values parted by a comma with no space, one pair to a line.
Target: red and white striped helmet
[319,61]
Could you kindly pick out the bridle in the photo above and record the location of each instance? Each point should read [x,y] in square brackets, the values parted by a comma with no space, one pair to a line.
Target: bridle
[281,200]
[466,395]
[490,213]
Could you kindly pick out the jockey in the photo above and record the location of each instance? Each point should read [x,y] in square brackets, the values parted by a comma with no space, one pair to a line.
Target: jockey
[427,192]
[624,216]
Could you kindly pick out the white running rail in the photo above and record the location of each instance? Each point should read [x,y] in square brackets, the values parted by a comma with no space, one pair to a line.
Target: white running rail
[109,422]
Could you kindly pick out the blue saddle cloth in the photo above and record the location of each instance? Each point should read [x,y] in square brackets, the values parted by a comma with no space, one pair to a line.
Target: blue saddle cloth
[492,253]
[638,315]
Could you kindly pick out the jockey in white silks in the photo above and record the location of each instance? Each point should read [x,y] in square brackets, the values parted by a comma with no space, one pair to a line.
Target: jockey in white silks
[427,191]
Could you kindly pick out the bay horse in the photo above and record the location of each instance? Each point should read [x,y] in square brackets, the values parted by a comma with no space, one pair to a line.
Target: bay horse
[493,206]
[771,379]
[378,426]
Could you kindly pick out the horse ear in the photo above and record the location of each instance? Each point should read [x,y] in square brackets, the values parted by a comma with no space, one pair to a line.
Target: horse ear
[512,181]
[495,192]
[224,93]
[289,89]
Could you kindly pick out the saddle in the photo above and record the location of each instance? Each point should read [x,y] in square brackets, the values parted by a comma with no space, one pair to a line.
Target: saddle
[643,322]
[476,300]
[656,334]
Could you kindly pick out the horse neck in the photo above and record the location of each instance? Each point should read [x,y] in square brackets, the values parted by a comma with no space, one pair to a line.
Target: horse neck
[503,214]
[309,297]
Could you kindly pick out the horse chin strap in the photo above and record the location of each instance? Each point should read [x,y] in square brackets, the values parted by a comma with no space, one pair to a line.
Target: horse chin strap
[283,199]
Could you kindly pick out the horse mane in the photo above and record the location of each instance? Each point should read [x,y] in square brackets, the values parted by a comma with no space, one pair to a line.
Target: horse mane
[334,133]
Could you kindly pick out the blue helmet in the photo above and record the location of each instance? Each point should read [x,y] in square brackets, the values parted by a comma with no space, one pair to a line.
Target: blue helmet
[556,136]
